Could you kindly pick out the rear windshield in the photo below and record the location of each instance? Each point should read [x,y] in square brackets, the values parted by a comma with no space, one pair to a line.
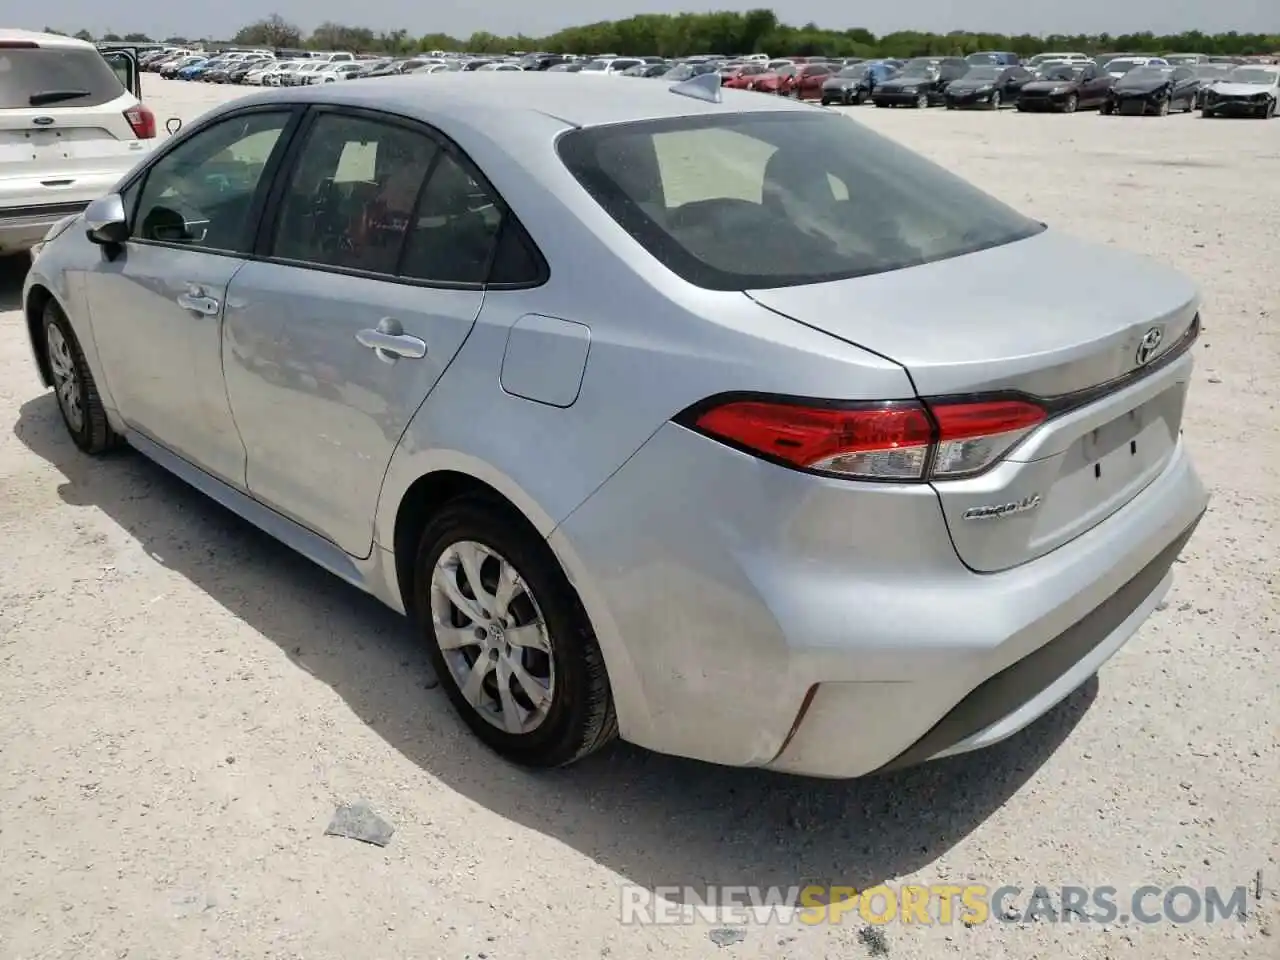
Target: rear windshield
[759,200]
[55,77]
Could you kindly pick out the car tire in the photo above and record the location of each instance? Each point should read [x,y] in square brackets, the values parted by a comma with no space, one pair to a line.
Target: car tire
[79,402]
[577,716]
[1162,108]
[859,98]
[826,101]
[1106,109]
[922,102]
[1270,111]
[1206,113]
[995,100]
[950,105]
[1020,107]
[1070,104]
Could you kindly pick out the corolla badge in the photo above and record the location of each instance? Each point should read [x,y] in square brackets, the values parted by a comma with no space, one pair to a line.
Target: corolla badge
[998,511]
[1148,346]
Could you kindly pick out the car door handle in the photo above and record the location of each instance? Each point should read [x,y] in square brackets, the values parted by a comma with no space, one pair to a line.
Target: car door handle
[199,303]
[389,341]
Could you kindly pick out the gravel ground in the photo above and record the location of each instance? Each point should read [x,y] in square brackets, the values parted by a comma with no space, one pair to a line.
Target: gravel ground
[185,702]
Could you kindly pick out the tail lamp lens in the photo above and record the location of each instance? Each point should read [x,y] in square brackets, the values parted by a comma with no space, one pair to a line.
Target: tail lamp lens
[901,441]
[142,121]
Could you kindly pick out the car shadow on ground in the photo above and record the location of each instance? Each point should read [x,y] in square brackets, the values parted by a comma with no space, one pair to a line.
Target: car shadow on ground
[657,821]
[13,270]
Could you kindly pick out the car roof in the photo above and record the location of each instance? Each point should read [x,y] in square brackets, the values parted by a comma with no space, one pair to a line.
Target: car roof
[43,39]
[565,97]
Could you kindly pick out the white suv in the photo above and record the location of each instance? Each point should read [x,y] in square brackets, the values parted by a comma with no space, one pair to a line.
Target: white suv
[70,128]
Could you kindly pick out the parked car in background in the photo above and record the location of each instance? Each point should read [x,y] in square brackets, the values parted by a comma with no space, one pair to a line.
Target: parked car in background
[1186,59]
[1121,65]
[72,123]
[1245,92]
[610,66]
[575,66]
[1065,88]
[806,82]
[337,71]
[999,58]
[735,76]
[302,76]
[504,65]
[773,80]
[980,502]
[171,70]
[1208,74]
[1041,58]
[855,84]
[922,82]
[1152,90]
[648,71]
[987,86]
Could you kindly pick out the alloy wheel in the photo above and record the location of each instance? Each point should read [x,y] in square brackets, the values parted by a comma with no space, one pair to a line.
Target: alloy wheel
[66,383]
[922,101]
[995,100]
[493,637]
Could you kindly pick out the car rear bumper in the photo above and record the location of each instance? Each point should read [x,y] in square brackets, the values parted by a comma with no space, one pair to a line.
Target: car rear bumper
[753,616]
[22,228]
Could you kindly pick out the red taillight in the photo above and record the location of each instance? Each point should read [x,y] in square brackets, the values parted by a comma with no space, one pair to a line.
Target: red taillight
[901,441]
[142,121]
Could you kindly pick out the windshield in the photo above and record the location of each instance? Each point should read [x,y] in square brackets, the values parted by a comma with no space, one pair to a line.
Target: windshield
[853,72]
[761,199]
[1062,72]
[77,75]
[1252,75]
[983,73]
[596,65]
[1124,66]
[1211,71]
[1143,74]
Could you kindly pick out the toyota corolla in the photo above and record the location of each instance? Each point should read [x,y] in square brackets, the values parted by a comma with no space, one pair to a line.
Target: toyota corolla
[712,420]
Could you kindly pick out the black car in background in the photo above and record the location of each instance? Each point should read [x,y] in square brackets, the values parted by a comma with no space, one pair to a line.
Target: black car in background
[1065,88]
[855,83]
[1157,90]
[987,86]
[921,83]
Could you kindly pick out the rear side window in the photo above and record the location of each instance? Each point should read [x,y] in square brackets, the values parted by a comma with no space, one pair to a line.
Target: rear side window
[759,200]
[53,77]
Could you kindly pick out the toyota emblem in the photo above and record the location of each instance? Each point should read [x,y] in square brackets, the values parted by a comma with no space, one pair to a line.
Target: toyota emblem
[1148,346]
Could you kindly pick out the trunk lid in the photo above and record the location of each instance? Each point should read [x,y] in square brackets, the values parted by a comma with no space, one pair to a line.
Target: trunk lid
[1049,317]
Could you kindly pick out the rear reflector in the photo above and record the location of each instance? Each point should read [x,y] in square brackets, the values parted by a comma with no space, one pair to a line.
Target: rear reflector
[897,441]
[142,121]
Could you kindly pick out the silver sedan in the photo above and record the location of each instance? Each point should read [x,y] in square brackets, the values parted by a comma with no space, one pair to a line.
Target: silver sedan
[711,420]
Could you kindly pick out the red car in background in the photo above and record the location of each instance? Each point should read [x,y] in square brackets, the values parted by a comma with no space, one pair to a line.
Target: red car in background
[806,82]
[737,77]
[771,81]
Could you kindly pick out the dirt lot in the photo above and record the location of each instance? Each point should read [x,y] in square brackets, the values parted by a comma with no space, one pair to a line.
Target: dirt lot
[183,702]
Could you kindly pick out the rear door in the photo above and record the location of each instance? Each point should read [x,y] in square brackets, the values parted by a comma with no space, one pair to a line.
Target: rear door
[66,136]
[364,288]
[124,63]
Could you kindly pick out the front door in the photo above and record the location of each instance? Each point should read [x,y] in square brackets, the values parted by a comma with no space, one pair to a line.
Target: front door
[157,307]
[370,284]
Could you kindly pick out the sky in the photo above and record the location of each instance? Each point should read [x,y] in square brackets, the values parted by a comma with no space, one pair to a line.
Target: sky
[161,18]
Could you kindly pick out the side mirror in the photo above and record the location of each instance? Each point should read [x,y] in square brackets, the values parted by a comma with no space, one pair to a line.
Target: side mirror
[173,125]
[105,222]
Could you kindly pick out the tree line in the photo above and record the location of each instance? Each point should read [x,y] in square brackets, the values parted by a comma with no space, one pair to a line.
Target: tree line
[675,35]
